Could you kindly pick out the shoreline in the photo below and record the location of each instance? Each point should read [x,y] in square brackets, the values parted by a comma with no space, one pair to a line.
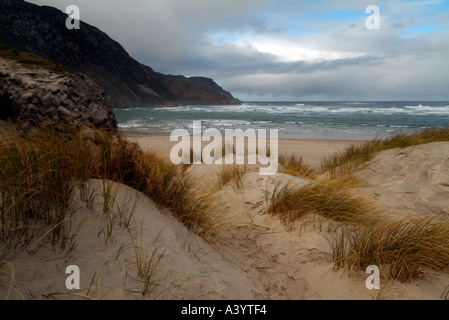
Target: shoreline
[306,137]
[135,135]
[311,150]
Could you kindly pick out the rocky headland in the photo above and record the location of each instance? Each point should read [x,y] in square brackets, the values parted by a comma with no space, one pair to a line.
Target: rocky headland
[42,30]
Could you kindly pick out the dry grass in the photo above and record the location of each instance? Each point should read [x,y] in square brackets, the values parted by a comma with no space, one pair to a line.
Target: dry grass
[332,199]
[40,173]
[231,173]
[147,261]
[404,249]
[355,156]
[169,186]
[38,178]
[296,166]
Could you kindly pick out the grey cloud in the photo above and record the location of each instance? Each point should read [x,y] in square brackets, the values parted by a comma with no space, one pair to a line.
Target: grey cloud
[373,82]
[176,37]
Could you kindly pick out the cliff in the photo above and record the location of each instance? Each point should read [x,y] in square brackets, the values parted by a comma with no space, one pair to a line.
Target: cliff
[34,91]
[42,30]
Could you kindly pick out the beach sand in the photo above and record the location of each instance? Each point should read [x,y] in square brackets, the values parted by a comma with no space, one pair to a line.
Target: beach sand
[312,150]
[297,264]
[256,257]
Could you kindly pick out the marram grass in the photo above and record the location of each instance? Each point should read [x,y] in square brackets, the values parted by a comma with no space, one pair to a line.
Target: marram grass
[40,173]
[231,174]
[357,155]
[296,166]
[404,249]
[331,198]
[38,177]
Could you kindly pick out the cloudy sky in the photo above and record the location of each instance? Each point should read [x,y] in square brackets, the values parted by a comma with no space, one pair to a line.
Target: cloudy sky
[286,49]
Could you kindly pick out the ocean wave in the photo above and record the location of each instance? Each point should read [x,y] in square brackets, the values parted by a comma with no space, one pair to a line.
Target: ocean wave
[225,123]
[442,109]
[132,124]
[291,118]
[307,109]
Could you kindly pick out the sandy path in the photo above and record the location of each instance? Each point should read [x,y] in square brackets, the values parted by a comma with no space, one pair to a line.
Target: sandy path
[256,257]
[293,264]
[297,264]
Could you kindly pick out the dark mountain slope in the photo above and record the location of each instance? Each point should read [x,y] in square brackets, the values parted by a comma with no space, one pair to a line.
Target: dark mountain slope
[42,31]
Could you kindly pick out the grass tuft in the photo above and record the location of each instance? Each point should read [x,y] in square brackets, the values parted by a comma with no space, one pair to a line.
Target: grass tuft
[332,199]
[231,173]
[40,172]
[403,249]
[296,166]
[38,178]
[355,156]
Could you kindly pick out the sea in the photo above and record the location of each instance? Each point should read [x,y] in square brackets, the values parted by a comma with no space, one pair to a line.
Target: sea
[350,120]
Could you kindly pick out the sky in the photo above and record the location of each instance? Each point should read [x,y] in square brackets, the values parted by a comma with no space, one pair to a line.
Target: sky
[287,50]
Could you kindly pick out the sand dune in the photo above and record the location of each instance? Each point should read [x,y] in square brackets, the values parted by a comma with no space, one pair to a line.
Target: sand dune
[297,264]
[257,256]
[189,268]
[412,180]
